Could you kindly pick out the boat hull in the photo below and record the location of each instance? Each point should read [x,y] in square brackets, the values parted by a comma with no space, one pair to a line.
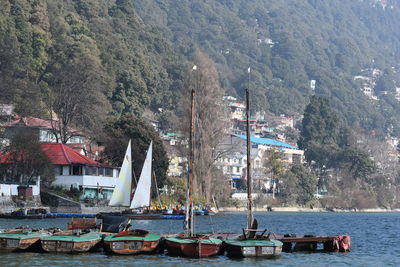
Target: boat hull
[25,244]
[193,247]
[132,242]
[130,247]
[253,248]
[72,244]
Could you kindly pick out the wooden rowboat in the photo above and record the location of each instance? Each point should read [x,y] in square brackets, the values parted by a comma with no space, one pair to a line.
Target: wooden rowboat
[266,248]
[72,242]
[197,246]
[21,240]
[132,242]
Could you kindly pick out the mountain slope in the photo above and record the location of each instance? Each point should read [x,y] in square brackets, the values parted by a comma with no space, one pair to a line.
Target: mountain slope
[287,44]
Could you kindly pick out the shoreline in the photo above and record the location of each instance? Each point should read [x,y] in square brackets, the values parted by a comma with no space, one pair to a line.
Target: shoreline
[301,209]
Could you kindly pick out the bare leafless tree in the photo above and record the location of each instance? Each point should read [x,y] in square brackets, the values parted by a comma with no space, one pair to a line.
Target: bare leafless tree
[211,121]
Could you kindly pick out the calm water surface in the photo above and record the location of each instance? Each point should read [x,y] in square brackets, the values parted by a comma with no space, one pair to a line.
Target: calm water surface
[375,241]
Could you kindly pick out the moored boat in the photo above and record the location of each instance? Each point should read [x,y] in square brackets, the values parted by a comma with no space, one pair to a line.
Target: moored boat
[251,244]
[189,244]
[21,240]
[132,242]
[197,246]
[72,242]
[241,247]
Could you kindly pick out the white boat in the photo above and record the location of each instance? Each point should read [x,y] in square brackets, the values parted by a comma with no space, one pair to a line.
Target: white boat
[122,192]
[141,198]
[121,196]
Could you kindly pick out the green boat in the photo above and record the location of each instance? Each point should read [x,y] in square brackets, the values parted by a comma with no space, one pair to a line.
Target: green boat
[72,242]
[266,248]
[251,244]
[21,240]
[132,242]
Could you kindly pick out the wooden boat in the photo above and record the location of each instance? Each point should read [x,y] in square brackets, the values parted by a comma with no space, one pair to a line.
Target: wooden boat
[251,244]
[253,247]
[72,242]
[21,240]
[27,214]
[82,223]
[189,244]
[196,246]
[132,242]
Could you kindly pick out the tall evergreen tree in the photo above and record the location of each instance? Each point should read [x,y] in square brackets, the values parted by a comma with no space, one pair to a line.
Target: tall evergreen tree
[320,131]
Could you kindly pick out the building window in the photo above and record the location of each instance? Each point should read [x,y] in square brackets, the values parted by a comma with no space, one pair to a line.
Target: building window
[89,170]
[58,170]
[76,170]
[108,172]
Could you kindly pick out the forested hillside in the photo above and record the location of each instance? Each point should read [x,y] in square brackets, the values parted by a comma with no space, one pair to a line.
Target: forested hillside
[96,52]
[126,56]
[287,44]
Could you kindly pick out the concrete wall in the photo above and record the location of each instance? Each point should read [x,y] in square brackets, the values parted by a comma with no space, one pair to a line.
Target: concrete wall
[12,189]
[87,181]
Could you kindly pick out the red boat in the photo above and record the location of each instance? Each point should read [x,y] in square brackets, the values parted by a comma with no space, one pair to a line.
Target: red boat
[190,244]
[197,246]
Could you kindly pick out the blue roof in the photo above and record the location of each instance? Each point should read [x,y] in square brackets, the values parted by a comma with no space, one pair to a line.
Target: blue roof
[265,141]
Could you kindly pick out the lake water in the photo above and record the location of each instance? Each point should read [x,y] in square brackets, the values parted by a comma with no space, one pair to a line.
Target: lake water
[375,241]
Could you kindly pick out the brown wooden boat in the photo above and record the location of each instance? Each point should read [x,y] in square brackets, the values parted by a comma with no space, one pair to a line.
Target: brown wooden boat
[72,242]
[21,240]
[82,223]
[132,242]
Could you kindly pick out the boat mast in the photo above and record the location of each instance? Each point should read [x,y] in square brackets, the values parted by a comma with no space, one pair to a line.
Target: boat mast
[189,208]
[249,183]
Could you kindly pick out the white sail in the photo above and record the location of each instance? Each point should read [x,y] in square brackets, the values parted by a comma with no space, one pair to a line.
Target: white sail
[122,192]
[142,193]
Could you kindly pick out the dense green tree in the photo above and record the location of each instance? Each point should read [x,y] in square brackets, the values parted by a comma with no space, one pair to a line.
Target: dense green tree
[306,183]
[27,160]
[356,161]
[320,131]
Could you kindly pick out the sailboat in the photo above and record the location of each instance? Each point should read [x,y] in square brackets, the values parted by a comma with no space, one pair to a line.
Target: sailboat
[251,244]
[121,196]
[132,241]
[189,244]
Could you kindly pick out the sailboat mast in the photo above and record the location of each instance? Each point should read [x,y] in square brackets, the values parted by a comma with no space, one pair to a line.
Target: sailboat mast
[189,208]
[249,183]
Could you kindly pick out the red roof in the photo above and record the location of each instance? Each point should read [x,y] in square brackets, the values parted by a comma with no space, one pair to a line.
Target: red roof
[36,122]
[60,154]
[5,158]
[29,122]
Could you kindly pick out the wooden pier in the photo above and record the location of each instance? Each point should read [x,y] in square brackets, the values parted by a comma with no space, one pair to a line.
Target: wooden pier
[311,243]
